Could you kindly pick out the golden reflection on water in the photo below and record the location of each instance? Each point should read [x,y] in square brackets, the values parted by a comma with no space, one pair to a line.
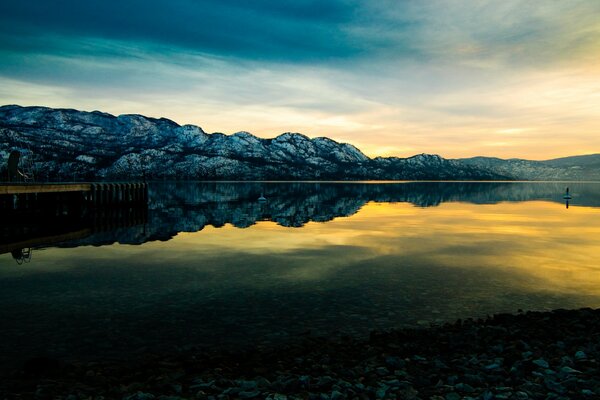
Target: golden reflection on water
[558,248]
[389,264]
[539,246]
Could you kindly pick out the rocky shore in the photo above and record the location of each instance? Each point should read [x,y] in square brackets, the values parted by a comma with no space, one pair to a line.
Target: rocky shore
[533,355]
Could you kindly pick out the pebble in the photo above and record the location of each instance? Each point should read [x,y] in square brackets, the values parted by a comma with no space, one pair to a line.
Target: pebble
[569,370]
[335,395]
[467,360]
[541,363]
[493,366]
[248,394]
[464,387]
[453,396]
[139,396]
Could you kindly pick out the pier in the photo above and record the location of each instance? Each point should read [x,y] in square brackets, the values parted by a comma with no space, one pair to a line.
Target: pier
[41,214]
[26,195]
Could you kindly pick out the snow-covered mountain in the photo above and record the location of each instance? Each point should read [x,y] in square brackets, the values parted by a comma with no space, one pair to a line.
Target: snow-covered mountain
[74,145]
[569,168]
[65,144]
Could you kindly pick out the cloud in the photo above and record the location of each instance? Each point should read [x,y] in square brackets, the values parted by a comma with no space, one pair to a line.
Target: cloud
[387,76]
[252,30]
[312,31]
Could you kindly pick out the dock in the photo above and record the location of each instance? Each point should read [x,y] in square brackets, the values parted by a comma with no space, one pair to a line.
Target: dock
[23,188]
[93,193]
[42,214]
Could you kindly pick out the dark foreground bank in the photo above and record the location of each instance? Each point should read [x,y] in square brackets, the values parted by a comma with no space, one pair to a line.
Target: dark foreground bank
[534,355]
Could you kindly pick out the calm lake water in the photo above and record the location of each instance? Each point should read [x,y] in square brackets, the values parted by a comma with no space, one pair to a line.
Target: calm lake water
[210,266]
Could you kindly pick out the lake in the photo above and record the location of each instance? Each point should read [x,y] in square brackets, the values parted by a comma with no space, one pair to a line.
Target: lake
[209,266]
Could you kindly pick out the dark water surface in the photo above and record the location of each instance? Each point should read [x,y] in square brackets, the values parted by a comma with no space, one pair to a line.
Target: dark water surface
[210,266]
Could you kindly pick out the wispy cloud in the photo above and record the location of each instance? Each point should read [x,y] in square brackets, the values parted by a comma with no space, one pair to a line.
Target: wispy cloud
[387,76]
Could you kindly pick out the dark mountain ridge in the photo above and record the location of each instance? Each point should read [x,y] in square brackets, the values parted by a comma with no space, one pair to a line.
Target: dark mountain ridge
[67,144]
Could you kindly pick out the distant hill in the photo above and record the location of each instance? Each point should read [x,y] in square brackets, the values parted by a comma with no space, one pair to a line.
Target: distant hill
[66,144]
[586,167]
[587,161]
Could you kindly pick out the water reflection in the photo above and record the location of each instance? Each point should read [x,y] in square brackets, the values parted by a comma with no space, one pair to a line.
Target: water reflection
[177,207]
[189,207]
[22,255]
[384,258]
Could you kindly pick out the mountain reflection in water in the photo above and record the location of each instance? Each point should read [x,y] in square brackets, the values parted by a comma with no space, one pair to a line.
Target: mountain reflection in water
[392,254]
[190,206]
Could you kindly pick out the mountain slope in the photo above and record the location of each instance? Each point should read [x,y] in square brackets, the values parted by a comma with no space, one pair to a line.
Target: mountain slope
[591,160]
[68,144]
[568,168]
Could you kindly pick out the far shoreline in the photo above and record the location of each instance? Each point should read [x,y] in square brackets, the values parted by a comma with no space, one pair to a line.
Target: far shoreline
[362,181]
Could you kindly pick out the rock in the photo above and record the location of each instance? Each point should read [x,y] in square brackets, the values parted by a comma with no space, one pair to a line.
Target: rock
[248,394]
[569,370]
[464,387]
[177,388]
[304,380]
[245,385]
[393,382]
[346,385]
[381,391]
[262,382]
[541,363]
[473,379]
[395,362]
[408,393]
[139,396]
[359,369]
[203,385]
[554,386]
[325,382]
[335,395]
[487,395]
[493,366]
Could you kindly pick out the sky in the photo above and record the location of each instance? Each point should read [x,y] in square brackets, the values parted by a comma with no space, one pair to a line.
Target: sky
[392,77]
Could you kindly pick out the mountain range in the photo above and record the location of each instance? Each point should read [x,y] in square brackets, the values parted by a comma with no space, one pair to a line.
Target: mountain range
[71,145]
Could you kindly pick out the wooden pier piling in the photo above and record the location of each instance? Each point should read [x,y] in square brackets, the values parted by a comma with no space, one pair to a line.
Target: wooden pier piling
[25,195]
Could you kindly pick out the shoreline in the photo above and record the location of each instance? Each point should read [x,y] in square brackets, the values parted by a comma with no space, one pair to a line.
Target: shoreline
[532,355]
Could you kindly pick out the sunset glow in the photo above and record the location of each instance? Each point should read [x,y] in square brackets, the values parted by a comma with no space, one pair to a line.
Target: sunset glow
[505,79]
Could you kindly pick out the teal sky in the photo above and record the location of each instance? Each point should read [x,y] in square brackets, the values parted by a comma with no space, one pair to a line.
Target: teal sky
[457,78]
